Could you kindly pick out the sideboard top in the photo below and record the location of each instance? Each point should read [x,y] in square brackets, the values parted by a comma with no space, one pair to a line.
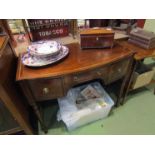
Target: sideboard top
[141,53]
[78,60]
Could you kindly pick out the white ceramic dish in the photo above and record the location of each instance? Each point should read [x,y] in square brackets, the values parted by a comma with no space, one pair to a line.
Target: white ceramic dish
[32,61]
[44,49]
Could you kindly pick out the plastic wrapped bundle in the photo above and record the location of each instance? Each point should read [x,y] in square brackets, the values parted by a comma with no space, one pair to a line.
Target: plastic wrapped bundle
[88,110]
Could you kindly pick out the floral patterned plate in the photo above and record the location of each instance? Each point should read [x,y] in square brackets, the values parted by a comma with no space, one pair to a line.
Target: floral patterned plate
[44,48]
[32,61]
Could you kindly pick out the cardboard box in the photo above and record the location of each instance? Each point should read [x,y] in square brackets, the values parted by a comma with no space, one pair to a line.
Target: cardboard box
[142,79]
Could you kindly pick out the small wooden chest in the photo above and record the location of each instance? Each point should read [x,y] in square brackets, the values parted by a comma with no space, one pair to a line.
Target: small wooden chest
[96,38]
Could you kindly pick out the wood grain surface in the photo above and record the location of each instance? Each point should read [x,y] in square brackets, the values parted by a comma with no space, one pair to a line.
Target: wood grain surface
[141,53]
[78,60]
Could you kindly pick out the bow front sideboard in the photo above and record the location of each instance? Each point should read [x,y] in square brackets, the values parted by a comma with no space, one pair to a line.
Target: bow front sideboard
[53,81]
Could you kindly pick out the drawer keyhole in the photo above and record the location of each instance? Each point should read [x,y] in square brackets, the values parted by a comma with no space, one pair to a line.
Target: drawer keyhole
[75,78]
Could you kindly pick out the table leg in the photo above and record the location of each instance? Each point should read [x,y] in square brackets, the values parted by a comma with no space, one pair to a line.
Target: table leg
[27,92]
[39,116]
[119,98]
[129,80]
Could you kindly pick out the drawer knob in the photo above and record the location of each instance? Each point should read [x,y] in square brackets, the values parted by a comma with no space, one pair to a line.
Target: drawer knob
[97,38]
[119,70]
[45,90]
[99,73]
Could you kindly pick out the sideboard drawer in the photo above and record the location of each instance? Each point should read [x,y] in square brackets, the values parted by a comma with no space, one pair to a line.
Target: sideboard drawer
[74,79]
[45,89]
[118,70]
[78,78]
[102,73]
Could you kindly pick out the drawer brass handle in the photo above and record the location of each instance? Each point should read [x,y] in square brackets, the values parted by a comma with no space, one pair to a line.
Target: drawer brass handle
[119,70]
[45,90]
[99,73]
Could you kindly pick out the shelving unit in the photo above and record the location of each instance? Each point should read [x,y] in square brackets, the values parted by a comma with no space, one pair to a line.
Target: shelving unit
[16,26]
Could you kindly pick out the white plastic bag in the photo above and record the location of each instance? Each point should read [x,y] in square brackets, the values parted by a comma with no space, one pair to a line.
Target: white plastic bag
[75,115]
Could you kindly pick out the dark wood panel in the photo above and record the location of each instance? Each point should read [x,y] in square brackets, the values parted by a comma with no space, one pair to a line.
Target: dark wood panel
[98,22]
[118,70]
[77,78]
[95,41]
[7,122]
[10,95]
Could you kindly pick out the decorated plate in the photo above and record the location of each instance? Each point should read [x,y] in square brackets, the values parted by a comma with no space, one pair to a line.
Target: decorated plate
[44,48]
[32,61]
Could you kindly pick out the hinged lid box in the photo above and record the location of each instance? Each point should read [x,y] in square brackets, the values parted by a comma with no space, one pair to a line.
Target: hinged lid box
[96,38]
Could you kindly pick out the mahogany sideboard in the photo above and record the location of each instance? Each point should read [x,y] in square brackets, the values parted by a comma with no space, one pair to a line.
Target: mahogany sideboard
[14,116]
[80,66]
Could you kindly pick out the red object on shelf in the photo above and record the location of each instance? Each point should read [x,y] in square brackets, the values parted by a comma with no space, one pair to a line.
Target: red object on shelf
[48,28]
[140,22]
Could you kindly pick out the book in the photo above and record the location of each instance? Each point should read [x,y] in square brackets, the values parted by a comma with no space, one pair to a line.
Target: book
[138,43]
[147,35]
[144,41]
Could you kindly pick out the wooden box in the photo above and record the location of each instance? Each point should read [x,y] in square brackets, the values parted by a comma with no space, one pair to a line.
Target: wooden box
[96,38]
